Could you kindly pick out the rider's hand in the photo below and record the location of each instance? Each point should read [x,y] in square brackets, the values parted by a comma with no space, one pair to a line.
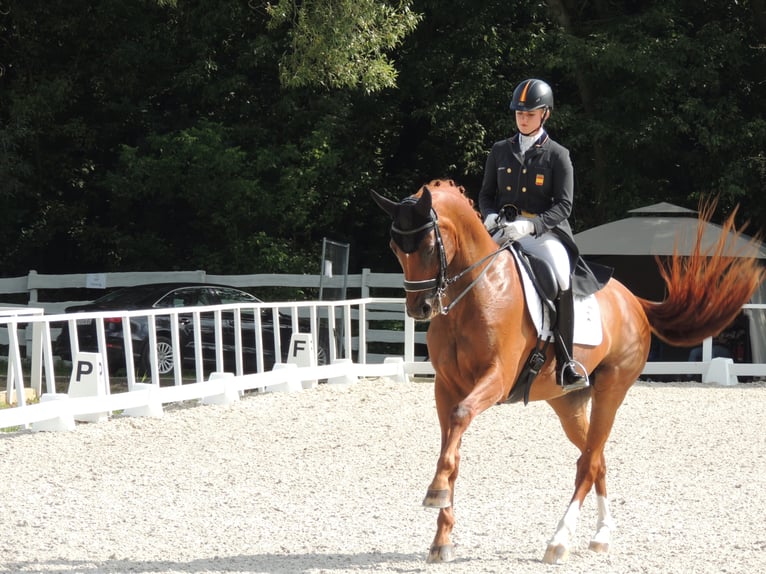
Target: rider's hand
[491,221]
[515,230]
[518,229]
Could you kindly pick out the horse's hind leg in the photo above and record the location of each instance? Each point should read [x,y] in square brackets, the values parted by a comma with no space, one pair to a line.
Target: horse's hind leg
[605,524]
[558,547]
[613,385]
[590,438]
[573,415]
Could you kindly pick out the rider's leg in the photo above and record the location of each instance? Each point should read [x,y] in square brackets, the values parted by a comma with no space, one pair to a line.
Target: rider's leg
[550,248]
[567,374]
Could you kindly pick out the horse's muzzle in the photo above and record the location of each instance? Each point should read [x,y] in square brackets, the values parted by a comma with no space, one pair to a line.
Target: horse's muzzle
[422,306]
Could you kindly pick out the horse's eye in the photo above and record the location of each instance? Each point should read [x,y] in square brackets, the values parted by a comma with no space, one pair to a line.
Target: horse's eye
[428,249]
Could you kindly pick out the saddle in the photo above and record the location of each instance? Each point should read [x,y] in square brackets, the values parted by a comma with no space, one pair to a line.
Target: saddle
[543,278]
[544,281]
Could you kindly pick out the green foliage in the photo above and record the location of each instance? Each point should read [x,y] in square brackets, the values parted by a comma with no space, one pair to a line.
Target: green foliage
[192,199]
[232,136]
[342,43]
[652,102]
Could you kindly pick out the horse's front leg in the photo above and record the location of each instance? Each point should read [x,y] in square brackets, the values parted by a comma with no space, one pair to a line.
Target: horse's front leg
[441,491]
[454,419]
[442,549]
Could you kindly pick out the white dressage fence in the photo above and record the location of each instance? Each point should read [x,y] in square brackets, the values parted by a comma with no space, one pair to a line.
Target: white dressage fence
[342,326]
[345,326]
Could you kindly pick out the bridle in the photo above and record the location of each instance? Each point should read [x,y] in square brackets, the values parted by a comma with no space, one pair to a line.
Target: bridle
[442,281]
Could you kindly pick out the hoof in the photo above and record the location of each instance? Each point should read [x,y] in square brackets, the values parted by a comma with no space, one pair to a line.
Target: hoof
[444,553]
[600,547]
[556,554]
[437,499]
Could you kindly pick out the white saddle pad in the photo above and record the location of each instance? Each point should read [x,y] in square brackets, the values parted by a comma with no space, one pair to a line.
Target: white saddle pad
[587,329]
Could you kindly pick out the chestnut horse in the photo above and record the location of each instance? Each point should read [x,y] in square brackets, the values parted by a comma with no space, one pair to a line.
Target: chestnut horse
[480,338]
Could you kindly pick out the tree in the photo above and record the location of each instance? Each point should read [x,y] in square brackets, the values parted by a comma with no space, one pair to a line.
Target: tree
[655,93]
[341,43]
[261,131]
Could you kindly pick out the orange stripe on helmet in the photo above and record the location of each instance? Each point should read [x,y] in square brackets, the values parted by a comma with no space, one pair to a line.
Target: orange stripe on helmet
[523,96]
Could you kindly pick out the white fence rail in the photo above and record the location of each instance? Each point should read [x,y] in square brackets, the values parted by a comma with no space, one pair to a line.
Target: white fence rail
[360,335]
[701,368]
[342,327]
[30,286]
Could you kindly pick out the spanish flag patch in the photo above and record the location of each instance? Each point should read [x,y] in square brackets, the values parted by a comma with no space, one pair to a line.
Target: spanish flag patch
[539,179]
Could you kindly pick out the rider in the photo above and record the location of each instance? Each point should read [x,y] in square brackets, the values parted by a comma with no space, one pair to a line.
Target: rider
[526,196]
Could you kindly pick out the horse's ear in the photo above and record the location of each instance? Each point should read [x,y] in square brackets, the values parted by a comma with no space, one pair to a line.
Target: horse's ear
[384,203]
[423,206]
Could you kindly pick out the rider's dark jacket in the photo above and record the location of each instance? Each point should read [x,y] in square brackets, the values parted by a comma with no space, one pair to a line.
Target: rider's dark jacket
[540,185]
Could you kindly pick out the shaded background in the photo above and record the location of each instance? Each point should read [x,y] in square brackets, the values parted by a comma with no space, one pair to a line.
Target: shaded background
[151,135]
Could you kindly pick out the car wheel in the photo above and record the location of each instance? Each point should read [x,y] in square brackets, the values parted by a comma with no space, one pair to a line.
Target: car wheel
[164,357]
[322,355]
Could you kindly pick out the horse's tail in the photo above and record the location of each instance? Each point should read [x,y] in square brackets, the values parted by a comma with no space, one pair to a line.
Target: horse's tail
[705,290]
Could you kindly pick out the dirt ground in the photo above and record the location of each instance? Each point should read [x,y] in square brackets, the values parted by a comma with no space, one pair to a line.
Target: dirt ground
[330,480]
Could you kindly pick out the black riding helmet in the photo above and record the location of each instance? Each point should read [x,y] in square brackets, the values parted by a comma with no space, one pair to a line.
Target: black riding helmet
[532,94]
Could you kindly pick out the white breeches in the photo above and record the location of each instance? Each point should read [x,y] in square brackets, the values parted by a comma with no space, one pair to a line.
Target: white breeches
[549,247]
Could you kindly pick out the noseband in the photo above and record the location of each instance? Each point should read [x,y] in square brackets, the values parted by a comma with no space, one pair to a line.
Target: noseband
[441,282]
[438,283]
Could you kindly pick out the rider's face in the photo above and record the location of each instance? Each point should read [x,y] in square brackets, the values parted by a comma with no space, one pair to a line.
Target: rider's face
[530,121]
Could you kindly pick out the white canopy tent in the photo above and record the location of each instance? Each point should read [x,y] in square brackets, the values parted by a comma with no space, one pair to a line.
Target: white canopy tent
[656,230]
[630,246]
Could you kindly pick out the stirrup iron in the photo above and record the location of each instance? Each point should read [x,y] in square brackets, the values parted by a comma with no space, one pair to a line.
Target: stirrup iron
[579,369]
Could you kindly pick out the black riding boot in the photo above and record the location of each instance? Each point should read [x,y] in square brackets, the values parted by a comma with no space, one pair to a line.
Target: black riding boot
[567,373]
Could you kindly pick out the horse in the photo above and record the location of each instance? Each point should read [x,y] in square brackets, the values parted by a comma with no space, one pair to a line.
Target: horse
[480,337]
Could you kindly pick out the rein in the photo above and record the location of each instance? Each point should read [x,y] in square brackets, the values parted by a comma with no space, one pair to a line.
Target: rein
[442,282]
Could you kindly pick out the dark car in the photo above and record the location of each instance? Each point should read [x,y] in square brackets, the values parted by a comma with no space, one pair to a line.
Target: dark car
[174,295]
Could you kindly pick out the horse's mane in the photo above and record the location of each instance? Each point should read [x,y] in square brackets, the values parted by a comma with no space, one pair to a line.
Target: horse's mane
[449,186]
